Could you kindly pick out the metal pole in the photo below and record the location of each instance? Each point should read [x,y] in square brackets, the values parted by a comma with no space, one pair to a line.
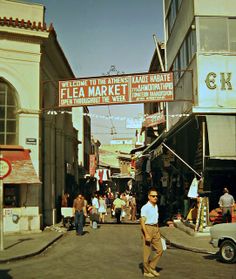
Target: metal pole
[158,53]
[1,212]
[182,160]
[163,69]
[1,215]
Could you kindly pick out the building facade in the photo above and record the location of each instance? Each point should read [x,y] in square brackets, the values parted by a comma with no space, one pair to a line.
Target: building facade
[200,124]
[31,63]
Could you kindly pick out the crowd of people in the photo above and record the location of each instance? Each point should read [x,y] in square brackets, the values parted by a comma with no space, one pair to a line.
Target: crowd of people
[101,208]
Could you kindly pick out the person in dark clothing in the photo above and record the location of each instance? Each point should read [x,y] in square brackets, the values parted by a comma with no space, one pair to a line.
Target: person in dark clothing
[79,208]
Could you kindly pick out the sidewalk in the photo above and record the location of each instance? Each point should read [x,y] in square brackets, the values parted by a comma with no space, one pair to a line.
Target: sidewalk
[178,238]
[20,246]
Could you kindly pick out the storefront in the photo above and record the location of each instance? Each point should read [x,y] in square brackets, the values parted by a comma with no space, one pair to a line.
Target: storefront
[21,192]
[202,146]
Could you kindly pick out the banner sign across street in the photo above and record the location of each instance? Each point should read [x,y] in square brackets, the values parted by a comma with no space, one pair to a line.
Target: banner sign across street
[112,90]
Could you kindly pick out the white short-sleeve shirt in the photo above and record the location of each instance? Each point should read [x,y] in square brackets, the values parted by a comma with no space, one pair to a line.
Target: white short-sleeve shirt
[150,212]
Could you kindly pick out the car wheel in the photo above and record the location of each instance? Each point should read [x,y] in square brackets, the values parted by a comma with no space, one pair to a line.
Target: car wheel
[228,251]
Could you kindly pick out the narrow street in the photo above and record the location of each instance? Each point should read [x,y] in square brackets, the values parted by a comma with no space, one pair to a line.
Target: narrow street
[112,251]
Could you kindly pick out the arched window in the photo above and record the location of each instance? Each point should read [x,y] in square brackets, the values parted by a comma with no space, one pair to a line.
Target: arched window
[8,114]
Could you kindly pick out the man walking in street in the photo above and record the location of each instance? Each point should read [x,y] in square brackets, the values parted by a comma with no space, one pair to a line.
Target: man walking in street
[118,205]
[151,234]
[226,203]
[79,212]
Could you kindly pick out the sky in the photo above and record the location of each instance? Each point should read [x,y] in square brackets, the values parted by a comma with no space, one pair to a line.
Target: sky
[96,34]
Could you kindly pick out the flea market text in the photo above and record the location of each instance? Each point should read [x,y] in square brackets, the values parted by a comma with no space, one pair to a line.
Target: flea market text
[116,90]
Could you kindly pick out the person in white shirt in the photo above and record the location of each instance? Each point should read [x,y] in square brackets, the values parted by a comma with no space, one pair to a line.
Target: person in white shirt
[151,234]
[226,203]
[95,203]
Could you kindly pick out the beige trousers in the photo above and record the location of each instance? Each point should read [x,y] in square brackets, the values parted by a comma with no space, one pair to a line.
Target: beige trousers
[155,244]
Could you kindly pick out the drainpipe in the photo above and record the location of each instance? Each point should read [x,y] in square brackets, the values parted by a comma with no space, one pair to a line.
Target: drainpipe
[203,144]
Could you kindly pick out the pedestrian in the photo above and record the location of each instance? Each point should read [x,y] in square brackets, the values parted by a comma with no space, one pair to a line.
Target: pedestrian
[151,234]
[66,220]
[110,197]
[123,196]
[85,209]
[102,208]
[93,217]
[226,203]
[64,200]
[79,213]
[118,206]
[95,202]
[133,206]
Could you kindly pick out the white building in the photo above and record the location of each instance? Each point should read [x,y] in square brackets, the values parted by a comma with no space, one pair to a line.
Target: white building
[200,125]
[31,63]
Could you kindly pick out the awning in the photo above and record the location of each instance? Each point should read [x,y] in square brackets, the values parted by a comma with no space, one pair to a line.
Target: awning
[22,168]
[168,134]
[138,149]
[222,136]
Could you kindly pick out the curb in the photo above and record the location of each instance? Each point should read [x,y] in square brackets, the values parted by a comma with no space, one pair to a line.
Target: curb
[30,254]
[192,249]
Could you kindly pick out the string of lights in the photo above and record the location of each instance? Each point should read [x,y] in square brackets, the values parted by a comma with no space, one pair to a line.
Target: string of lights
[113,117]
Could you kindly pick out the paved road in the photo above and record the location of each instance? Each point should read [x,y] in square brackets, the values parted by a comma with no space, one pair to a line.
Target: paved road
[112,251]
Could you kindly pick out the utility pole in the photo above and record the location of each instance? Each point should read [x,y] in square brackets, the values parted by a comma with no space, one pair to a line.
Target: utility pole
[163,69]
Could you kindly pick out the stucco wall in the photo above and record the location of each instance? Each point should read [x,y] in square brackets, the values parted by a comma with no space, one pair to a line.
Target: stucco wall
[19,65]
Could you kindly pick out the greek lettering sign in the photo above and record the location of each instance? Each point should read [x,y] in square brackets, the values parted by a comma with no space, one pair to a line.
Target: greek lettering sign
[136,88]
[154,119]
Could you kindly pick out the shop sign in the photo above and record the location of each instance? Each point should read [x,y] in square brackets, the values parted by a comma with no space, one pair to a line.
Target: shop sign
[92,164]
[5,168]
[217,82]
[32,141]
[154,119]
[135,88]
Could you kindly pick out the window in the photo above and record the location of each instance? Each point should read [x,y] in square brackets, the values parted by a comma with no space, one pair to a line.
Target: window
[217,34]
[232,34]
[172,13]
[185,55]
[176,68]
[11,195]
[191,45]
[8,114]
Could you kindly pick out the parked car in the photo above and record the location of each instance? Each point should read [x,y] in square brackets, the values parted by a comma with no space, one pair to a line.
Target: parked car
[224,237]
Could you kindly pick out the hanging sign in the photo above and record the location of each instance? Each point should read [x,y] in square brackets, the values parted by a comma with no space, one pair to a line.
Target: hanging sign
[154,119]
[112,90]
[92,164]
